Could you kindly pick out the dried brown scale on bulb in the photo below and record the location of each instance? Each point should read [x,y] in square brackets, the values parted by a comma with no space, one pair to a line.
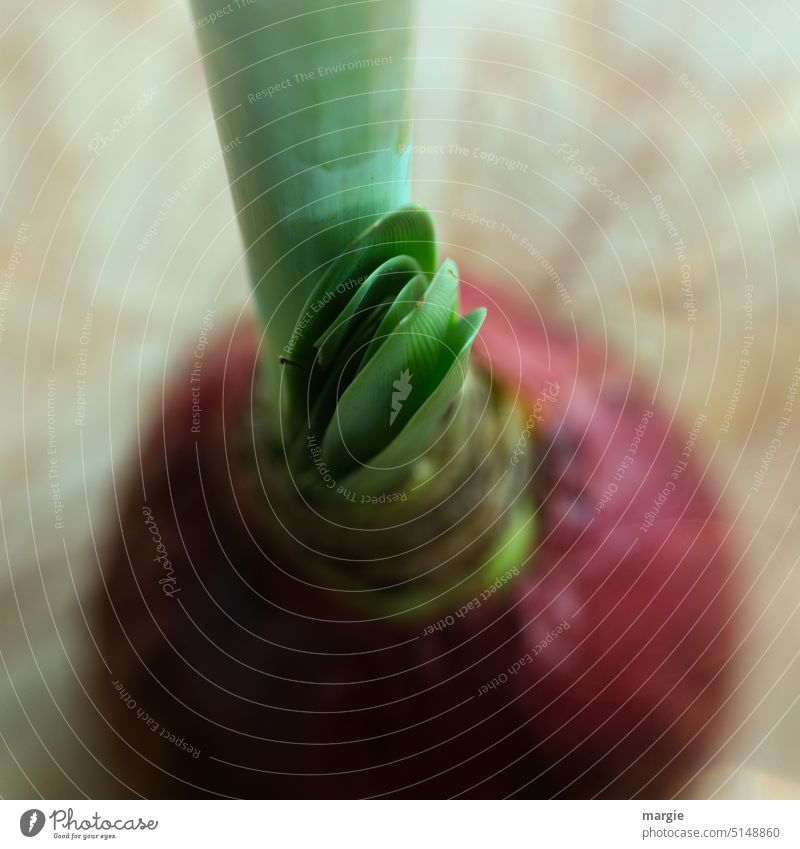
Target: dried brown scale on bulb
[291,691]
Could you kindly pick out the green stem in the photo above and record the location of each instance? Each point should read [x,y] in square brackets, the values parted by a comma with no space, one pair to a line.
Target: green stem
[311,101]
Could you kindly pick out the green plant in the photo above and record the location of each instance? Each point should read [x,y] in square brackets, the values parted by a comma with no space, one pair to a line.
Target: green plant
[366,356]
[343,267]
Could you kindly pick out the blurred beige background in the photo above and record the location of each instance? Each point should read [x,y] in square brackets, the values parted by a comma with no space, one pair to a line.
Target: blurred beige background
[636,166]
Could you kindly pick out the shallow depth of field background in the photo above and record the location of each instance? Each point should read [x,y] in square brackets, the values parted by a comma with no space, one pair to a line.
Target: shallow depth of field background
[117,238]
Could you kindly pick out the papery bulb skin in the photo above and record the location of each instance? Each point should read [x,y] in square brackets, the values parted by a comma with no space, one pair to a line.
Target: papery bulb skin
[635,556]
[289,691]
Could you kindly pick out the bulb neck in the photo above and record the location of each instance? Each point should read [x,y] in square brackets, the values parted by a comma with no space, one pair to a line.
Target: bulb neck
[461,523]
